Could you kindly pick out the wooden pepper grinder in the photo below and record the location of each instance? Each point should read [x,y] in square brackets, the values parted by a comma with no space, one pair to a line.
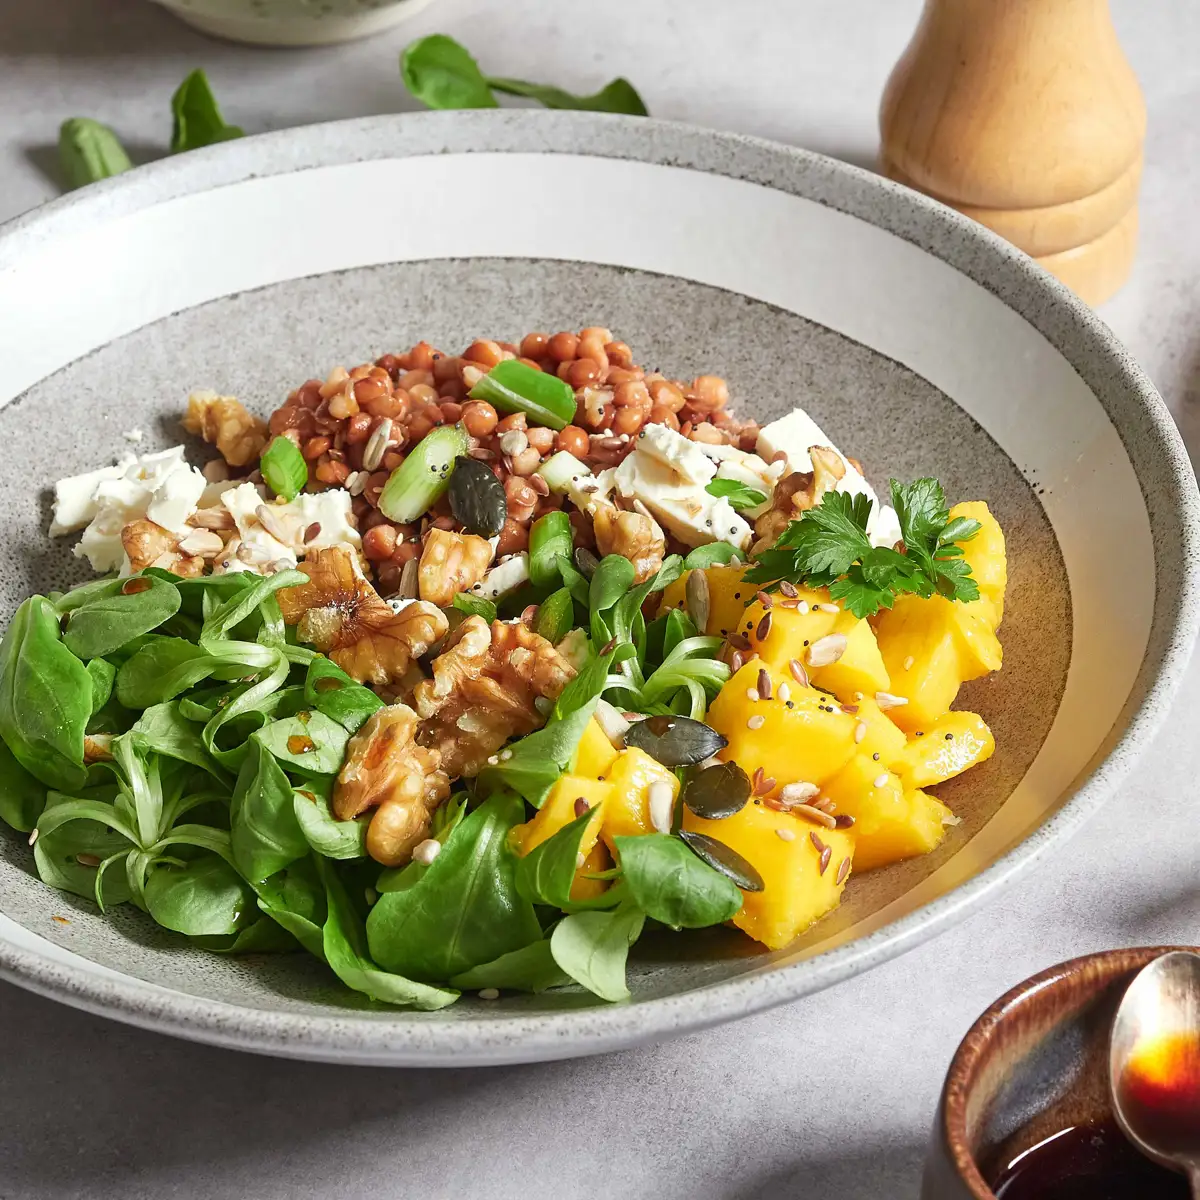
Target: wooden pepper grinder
[1026,116]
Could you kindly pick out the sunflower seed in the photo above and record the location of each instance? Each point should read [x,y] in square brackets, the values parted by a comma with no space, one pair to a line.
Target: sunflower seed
[886,700]
[661,803]
[202,542]
[880,780]
[827,650]
[787,835]
[798,793]
[697,597]
[268,520]
[810,813]
[377,445]
[860,732]
[410,576]
[756,722]
[513,442]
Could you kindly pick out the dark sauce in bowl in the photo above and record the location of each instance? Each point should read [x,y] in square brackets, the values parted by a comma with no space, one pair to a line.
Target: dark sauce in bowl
[1087,1162]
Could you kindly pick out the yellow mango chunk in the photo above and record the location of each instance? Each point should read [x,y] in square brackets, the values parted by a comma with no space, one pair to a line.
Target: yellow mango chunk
[930,647]
[559,810]
[860,668]
[881,736]
[797,893]
[630,777]
[951,745]
[727,597]
[596,754]
[790,632]
[805,738]
[598,859]
[889,823]
[985,554]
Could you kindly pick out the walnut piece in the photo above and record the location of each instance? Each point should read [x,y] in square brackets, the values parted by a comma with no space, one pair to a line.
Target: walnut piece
[149,545]
[451,563]
[224,422]
[795,494]
[387,771]
[484,690]
[633,535]
[341,614]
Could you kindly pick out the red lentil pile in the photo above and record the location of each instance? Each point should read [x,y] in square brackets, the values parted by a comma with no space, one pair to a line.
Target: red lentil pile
[355,428]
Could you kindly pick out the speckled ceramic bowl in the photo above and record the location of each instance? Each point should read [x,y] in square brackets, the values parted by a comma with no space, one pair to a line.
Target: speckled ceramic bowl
[923,344]
[293,22]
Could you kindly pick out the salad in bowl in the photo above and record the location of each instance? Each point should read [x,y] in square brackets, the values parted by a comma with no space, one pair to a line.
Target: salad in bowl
[461,671]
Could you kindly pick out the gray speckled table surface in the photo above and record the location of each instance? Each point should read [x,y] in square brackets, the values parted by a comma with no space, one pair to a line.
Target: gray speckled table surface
[829,1097]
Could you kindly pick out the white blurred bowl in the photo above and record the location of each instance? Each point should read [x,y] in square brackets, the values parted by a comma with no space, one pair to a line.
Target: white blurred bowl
[293,22]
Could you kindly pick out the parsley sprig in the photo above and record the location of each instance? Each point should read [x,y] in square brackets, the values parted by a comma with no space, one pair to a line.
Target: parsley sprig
[829,547]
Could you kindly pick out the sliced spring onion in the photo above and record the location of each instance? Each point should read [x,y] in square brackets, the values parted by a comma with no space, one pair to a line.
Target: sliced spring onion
[555,616]
[512,387]
[561,470]
[549,540]
[283,467]
[421,479]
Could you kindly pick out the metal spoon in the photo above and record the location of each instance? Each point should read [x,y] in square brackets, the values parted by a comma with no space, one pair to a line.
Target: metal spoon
[1163,1000]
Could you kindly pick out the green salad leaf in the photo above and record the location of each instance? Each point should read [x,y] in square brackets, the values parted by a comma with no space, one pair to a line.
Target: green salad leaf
[265,833]
[530,969]
[106,622]
[670,884]
[197,119]
[89,151]
[204,898]
[592,948]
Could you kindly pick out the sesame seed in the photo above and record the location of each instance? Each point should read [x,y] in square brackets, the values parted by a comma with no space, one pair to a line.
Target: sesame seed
[33,837]
[493,760]
[764,684]
[580,860]
[752,693]
[505,755]
[908,662]
[843,869]
[829,608]
[790,703]
[489,993]
[880,780]
[784,692]
[849,709]
[949,737]
[756,722]
[787,835]
[802,608]
[860,732]
[858,697]
[887,700]
[875,756]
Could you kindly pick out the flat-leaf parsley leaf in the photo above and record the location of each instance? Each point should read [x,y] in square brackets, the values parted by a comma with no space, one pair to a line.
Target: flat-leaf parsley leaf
[829,547]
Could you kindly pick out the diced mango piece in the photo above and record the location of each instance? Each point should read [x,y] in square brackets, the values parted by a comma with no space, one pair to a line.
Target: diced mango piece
[596,754]
[951,745]
[882,737]
[790,632]
[727,597]
[807,737]
[860,668]
[985,554]
[584,888]
[889,823]
[558,810]
[797,892]
[930,647]
[630,777]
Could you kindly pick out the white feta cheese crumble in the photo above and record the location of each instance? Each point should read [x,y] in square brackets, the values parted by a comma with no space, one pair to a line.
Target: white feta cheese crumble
[280,537]
[160,487]
[133,435]
[685,510]
[503,578]
[683,456]
[795,435]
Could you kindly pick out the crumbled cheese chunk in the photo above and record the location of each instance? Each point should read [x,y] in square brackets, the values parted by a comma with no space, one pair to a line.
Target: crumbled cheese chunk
[685,510]
[680,454]
[794,435]
[161,487]
[284,541]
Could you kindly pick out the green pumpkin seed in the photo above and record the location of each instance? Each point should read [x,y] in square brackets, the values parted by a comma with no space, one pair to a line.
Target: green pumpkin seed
[477,497]
[675,741]
[724,859]
[718,791]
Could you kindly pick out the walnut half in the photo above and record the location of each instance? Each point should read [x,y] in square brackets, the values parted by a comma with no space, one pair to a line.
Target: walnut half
[633,535]
[485,689]
[387,771]
[451,563]
[149,545]
[224,422]
[341,614]
[795,494]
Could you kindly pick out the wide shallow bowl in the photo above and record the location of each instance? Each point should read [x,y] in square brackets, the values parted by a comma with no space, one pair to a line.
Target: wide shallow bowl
[920,342]
[1034,1064]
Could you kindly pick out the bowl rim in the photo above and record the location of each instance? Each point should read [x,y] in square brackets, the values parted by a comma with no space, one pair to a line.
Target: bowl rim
[1091,348]
[1089,974]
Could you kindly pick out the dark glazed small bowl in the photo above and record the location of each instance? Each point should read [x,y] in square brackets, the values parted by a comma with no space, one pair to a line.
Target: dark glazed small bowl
[1035,1063]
